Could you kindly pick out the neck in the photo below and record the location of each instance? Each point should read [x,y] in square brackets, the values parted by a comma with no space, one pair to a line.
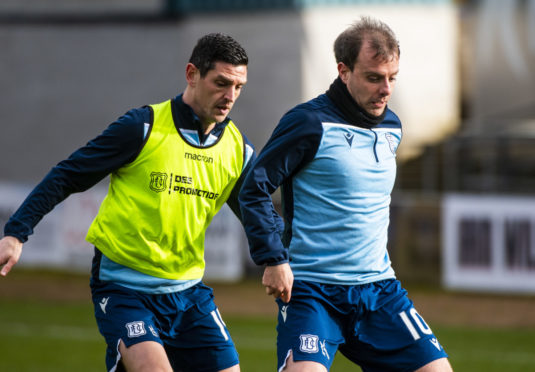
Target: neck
[207,128]
[206,125]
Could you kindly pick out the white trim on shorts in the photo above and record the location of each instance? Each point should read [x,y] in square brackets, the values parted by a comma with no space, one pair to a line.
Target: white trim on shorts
[118,357]
[285,360]
[217,318]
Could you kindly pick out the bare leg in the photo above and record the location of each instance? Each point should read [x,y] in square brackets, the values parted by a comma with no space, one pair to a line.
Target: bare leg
[303,366]
[147,356]
[439,365]
[235,368]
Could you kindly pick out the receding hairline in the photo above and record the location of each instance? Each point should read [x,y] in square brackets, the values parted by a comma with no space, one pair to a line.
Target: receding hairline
[370,32]
[381,44]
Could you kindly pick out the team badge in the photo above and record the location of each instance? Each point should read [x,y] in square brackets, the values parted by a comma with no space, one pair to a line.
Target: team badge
[309,343]
[158,181]
[390,139]
[136,329]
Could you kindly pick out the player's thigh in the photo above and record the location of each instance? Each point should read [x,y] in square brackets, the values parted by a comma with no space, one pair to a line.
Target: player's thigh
[147,356]
[200,341]
[206,359]
[123,318]
[439,365]
[391,335]
[235,368]
[302,366]
[308,328]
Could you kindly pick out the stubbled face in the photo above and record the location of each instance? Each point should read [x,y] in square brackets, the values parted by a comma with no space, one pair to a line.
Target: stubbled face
[211,97]
[372,80]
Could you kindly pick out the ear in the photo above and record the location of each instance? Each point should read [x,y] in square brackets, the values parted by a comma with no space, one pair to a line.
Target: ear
[192,74]
[343,72]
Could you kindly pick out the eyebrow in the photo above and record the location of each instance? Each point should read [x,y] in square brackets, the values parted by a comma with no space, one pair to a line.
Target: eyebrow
[227,80]
[379,74]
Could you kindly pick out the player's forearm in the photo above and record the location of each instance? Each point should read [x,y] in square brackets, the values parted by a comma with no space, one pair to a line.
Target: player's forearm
[83,169]
[52,190]
[262,224]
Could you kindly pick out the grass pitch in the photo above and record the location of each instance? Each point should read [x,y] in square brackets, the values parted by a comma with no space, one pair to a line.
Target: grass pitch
[55,336]
[44,331]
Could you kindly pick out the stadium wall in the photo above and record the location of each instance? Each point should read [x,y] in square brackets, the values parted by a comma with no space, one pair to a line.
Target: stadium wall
[66,81]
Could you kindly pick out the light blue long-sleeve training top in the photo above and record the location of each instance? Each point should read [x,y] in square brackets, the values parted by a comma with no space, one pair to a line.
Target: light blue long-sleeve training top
[336,179]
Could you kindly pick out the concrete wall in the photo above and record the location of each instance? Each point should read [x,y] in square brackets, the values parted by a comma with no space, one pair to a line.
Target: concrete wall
[499,66]
[63,84]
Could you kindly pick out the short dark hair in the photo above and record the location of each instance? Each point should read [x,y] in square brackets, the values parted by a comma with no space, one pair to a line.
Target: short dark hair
[217,47]
[381,37]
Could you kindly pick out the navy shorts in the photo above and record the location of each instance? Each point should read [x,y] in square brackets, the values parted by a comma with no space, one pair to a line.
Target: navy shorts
[374,325]
[186,323]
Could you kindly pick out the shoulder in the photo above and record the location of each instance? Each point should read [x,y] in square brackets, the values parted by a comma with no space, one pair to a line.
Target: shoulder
[238,133]
[246,142]
[320,108]
[132,124]
[308,117]
[136,116]
[249,151]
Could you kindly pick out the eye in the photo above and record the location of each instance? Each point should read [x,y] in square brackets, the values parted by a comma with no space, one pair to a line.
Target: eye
[373,78]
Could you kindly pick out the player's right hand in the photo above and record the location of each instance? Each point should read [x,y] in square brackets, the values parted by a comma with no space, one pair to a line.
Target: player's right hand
[278,281]
[10,251]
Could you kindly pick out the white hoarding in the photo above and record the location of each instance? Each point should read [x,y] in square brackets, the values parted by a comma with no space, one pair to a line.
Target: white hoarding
[489,243]
[59,239]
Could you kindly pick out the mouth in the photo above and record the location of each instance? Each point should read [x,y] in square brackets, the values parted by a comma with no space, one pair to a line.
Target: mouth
[223,109]
[378,104]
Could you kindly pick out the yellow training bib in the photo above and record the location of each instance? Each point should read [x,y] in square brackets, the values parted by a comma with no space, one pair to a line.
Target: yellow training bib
[158,207]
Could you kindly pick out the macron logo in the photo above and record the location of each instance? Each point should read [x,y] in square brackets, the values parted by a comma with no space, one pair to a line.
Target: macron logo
[103,303]
[349,138]
[434,341]
[283,312]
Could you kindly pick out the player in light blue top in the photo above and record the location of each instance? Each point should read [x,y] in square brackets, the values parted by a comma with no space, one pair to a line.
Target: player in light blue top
[334,158]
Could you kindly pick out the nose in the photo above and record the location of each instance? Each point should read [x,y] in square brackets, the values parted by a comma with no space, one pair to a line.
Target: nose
[231,93]
[387,87]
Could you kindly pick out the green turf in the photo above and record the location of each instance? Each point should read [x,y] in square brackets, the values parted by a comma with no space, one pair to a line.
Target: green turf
[62,336]
[44,336]
[489,350]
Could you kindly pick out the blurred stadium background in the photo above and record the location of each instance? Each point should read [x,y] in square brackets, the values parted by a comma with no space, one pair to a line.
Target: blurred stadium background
[462,234]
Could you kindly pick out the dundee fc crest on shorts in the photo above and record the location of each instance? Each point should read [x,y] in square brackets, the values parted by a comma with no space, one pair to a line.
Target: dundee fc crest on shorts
[309,343]
[136,329]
